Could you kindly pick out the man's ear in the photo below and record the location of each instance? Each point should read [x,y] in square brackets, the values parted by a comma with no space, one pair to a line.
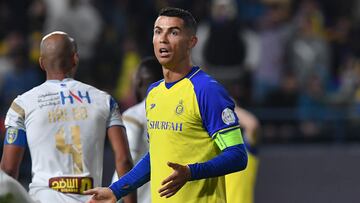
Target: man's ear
[193,41]
[41,63]
[76,59]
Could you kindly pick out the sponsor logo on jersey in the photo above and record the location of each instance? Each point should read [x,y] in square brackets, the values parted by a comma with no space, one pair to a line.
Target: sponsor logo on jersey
[71,97]
[228,116]
[48,99]
[75,185]
[11,135]
[152,106]
[165,125]
[179,108]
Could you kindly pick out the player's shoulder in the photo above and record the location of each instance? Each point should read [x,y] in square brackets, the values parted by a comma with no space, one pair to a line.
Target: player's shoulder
[138,110]
[26,96]
[203,81]
[154,85]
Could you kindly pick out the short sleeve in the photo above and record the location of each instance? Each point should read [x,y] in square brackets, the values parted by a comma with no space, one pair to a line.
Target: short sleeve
[215,105]
[115,115]
[15,116]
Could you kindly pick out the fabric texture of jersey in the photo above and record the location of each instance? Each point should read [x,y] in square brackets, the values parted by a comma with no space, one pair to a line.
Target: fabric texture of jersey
[135,122]
[65,124]
[182,118]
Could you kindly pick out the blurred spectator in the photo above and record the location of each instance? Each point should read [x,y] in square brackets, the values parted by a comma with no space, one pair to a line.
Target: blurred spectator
[82,21]
[308,52]
[221,49]
[312,107]
[21,77]
[274,34]
[284,102]
[124,90]
[37,15]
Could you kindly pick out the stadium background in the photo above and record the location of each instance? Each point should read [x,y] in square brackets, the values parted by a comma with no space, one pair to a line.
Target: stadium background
[295,66]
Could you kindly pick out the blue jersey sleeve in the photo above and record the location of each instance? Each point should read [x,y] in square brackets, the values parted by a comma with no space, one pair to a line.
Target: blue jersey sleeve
[232,159]
[135,178]
[215,105]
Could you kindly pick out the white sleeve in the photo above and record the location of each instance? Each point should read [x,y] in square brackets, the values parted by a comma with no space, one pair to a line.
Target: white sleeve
[115,115]
[15,116]
[134,131]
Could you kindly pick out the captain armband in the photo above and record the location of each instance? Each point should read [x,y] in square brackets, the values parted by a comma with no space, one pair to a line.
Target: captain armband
[15,136]
[228,138]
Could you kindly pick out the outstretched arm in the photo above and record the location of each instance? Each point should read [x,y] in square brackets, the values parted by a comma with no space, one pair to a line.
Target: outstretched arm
[135,178]
[123,161]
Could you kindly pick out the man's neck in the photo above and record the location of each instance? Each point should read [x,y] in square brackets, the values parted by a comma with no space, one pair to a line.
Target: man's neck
[173,74]
[56,76]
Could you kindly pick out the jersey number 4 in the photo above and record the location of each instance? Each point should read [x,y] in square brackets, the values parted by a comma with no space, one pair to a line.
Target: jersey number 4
[74,149]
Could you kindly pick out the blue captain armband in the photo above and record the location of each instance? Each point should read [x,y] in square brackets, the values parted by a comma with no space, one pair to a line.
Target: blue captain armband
[15,136]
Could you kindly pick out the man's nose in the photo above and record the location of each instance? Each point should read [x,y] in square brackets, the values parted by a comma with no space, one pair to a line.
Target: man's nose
[163,38]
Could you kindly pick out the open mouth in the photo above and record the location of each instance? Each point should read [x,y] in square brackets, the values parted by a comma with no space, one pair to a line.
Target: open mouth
[164,52]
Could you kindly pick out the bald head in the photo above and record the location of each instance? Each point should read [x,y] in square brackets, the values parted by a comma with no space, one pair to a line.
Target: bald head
[57,53]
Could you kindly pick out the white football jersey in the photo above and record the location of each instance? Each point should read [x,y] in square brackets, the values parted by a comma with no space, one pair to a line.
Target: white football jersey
[65,123]
[135,123]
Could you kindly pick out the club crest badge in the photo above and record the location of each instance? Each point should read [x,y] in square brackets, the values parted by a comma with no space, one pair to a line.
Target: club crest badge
[228,116]
[179,108]
[11,135]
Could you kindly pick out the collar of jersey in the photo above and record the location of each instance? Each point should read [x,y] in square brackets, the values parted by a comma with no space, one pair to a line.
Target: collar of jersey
[194,69]
[58,81]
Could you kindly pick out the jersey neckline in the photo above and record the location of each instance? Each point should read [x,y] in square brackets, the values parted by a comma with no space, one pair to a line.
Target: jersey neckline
[193,70]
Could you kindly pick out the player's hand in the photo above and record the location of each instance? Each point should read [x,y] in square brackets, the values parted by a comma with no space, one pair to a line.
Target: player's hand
[176,180]
[101,195]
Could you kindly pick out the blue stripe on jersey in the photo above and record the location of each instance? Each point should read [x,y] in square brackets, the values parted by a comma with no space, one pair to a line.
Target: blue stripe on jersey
[231,159]
[216,106]
[15,136]
[152,86]
[189,75]
[112,103]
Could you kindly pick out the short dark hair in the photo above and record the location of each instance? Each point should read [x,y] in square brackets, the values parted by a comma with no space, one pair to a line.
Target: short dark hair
[186,16]
[152,66]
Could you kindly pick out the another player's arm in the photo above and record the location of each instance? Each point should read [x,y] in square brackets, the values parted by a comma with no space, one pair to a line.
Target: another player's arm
[135,178]
[13,153]
[123,160]
[251,125]
[15,139]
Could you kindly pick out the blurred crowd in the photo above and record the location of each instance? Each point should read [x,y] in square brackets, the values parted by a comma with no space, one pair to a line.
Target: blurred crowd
[293,63]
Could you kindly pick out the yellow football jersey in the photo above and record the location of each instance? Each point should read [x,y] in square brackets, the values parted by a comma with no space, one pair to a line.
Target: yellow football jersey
[240,185]
[182,118]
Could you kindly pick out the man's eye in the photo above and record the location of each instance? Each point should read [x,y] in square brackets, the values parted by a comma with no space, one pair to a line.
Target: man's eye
[156,31]
[174,33]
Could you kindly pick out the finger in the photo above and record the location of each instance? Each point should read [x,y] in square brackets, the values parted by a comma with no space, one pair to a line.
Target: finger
[93,191]
[170,178]
[174,166]
[174,184]
[170,191]
[171,194]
